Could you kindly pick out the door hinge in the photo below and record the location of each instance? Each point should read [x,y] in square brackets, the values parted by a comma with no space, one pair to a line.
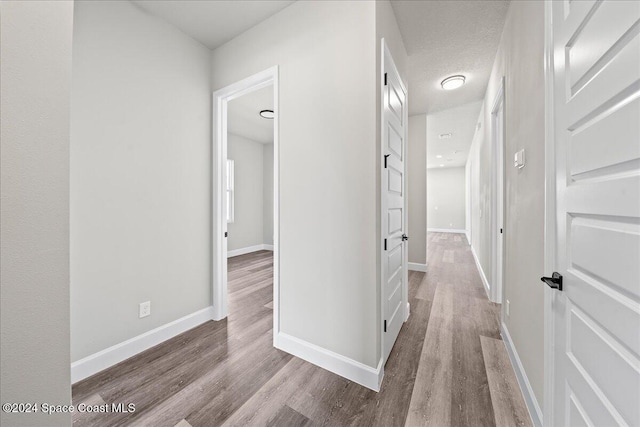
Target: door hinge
[385,160]
[385,326]
[385,79]
[226,234]
[385,244]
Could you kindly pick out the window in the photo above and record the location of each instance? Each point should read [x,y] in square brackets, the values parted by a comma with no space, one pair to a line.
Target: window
[230,192]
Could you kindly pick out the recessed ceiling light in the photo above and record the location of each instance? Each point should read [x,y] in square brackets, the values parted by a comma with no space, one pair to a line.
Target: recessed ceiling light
[441,166]
[438,156]
[453,82]
[444,136]
[267,114]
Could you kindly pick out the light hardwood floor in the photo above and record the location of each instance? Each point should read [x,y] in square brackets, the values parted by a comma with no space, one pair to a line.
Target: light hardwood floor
[449,366]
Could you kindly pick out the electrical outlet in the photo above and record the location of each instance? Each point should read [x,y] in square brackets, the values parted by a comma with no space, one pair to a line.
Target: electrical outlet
[144,309]
[507,307]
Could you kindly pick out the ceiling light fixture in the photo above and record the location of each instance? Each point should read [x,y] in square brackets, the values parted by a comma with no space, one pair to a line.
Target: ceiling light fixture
[438,156]
[267,114]
[453,82]
[444,136]
[441,166]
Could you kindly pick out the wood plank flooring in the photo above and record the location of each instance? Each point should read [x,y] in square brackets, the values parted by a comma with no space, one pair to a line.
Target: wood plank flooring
[449,366]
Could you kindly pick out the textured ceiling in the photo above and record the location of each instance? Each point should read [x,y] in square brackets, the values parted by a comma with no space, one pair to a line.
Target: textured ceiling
[243,116]
[444,38]
[213,23]
[460,122]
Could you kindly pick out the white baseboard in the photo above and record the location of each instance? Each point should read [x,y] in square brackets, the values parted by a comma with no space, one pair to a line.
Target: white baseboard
[523,381]
[249,249]
[108,357]
[445,230]
[485,282]
[417,267]
[333,362]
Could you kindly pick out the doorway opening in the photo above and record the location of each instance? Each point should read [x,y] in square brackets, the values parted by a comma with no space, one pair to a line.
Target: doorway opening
[245,195]
[498,229]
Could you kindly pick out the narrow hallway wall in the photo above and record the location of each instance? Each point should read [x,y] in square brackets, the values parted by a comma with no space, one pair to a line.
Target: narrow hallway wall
[520,59]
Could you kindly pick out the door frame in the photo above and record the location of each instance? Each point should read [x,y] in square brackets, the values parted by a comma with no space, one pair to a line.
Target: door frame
[497,176]
[221,97]
[385,54]
[549,218]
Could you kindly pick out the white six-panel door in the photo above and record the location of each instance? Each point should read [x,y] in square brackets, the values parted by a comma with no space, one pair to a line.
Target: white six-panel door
[394,269]
[596,127]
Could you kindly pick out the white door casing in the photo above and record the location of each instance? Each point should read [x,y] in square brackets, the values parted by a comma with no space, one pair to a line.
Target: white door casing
[497,240]
[394,271]
[593,338]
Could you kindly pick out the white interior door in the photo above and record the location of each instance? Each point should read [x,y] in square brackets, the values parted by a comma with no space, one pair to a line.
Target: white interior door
[500,202]
[596,92]
[394,269]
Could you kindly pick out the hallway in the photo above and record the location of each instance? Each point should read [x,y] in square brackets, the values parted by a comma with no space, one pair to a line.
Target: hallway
[228,373]
[465,359]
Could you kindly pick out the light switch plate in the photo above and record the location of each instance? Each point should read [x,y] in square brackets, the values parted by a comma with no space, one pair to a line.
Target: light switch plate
[518,159]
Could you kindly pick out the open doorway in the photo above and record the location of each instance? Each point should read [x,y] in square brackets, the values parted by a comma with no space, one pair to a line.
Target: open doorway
[249,206]
[245,208]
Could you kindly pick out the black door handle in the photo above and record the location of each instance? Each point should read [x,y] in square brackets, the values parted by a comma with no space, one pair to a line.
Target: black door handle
[405,237]
[554,282]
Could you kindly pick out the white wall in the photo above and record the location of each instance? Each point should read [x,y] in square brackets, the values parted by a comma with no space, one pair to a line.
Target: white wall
[520,59]
[326,54]
[446,198]
[417,188]
[140,175]
[247,228]
[267,209]
[34,209]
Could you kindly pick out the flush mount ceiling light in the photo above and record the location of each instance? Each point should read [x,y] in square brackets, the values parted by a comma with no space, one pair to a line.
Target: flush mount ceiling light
[267,114]
[444,136]
[453,82]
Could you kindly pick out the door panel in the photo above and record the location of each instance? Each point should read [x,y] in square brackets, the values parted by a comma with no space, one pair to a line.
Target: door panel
[395,220]
[588,47]
[395,181]
[394,264]
[596,55]
[589,154]
[395,143]
[591,348]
